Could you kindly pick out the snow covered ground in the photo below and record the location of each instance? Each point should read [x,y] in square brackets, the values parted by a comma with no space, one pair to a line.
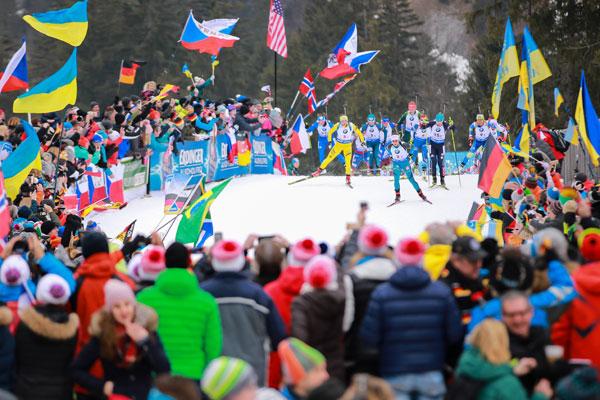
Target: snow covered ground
[320,207]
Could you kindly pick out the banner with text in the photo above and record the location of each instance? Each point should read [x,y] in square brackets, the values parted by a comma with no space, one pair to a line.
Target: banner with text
[262,155]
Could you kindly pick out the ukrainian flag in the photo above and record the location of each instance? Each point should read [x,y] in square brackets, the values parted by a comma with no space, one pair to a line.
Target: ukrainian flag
[587,122]
[535,60]
[558,100]
[53,93]
[507,68]
[20,162]
[69,24]
[522,141]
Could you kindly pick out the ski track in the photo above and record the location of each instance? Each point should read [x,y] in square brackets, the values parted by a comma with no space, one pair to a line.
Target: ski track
[320,208]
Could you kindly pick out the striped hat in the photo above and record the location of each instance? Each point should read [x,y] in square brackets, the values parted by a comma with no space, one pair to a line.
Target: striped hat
[297,359]
[225,376]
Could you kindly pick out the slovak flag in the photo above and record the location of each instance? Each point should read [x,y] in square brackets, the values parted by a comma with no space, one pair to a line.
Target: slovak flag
[14,76]
[209,36]
[299,140]
[345,59]
[307,85]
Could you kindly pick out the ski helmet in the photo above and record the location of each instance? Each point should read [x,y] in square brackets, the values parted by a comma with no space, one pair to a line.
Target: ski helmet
[371,117]
[424,119]
[480,117]
[439,117]
[343,118]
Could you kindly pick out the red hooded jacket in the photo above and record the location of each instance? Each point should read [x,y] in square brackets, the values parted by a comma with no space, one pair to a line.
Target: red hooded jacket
[578,329]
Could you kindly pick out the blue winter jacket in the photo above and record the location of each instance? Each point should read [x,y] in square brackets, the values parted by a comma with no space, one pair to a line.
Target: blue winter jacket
[411,321]
[561,291]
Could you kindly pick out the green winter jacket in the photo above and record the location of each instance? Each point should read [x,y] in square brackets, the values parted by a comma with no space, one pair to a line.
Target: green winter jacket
[82,152]
[189,325]
[502,384]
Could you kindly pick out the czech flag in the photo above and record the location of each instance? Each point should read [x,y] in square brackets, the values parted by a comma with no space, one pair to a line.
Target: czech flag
[494,168]
[26,157]
[347,64]
[69,24]
[14,76]
[299,140]
[588,125]
[53,93]
[209,36]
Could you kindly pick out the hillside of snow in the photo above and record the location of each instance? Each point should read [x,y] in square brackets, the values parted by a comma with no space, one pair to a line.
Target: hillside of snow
[320,207]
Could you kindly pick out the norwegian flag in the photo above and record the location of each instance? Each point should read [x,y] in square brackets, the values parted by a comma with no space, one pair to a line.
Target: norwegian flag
[4,212]
[307,85]
[312,102]
[276,40]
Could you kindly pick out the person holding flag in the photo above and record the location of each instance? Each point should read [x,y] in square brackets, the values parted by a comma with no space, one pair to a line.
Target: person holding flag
[345,132]
[401,163]
[372,133]
[479,131]
[409,121]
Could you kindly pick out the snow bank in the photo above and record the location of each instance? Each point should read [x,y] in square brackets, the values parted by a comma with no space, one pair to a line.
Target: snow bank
[319,207]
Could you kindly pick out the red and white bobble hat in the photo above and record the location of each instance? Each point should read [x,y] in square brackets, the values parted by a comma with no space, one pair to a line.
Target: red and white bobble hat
[409,251]
[320,272]
[372,240]
[303,251]
[152,262]
[228,256]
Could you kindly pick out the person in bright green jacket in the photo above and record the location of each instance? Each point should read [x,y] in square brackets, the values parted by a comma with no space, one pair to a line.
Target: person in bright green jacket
[487,359]
[189,323]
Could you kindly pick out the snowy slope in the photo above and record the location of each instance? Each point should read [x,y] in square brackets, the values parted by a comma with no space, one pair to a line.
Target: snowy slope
[320,207]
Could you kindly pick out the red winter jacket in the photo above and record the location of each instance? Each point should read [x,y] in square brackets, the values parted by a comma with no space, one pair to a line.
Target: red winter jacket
[283,291]
[578,329]
[542,133]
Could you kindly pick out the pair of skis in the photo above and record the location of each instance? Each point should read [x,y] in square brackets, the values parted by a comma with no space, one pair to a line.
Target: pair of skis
[311,177]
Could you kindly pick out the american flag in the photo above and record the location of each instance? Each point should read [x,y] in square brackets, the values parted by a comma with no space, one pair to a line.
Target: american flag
[276,31]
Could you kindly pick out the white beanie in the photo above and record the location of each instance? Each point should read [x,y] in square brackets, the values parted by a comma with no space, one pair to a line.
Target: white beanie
[53,289]
[14,271]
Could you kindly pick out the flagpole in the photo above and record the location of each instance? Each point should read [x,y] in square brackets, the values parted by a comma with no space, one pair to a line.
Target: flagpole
[29,114]
[293,104]
[119,83]
[275,70]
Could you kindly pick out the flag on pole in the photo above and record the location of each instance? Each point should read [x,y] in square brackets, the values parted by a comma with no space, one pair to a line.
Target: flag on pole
[307,85]
[299,140]
[195,214]
[558,100]
[128,71]
[127,233]
[69,24]
[20,162]
[209,36]
[571,134]
[165,92]
[508,67]
[348,64]
[312,102]
[186,71]
[276,39]
[522,141]
[537,70]
[53,93]
[338,86]
[266,89]
[587,122]
[4,211]
[493,169]
[14,76]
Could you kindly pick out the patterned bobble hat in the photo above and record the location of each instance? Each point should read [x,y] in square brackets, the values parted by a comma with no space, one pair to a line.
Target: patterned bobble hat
[297,359]
[225,376]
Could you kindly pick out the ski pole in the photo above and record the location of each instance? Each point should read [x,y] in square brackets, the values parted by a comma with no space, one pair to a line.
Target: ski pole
[455,157]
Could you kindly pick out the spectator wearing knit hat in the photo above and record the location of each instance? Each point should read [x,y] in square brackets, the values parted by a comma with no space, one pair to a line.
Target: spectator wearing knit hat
[286,288]
[190,327]
[304,368]
[229,378]
[318,313]
[45,343]
[411,321]
[249,318]
[371,266]
[125,341]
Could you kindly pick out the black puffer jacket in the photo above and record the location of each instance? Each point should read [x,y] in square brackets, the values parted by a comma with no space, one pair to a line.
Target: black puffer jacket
[317,320]
[7,349]
[45,345]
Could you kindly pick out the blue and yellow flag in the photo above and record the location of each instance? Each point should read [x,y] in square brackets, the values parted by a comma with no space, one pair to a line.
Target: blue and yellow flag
[523,102]
[571,134]
[186,71]
[587,122]
[69,24]
[20,162]
[558,100]
[522,141]
[508,67]
[537,63]
[53,93]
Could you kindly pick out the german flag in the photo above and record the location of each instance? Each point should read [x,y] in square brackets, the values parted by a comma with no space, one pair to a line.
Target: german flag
[128,70]
[494,168]
[476,211]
